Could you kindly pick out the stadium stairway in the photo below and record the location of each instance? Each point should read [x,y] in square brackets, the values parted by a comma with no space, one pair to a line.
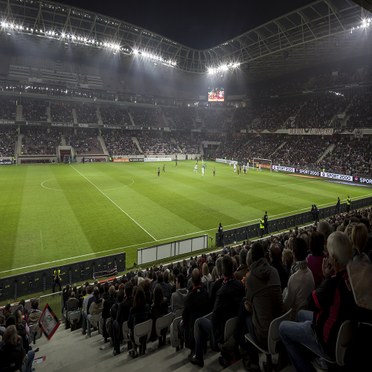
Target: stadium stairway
[71,351]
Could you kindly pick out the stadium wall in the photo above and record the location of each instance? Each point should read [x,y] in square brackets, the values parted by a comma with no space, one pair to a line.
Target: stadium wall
[280,224]
[42,280]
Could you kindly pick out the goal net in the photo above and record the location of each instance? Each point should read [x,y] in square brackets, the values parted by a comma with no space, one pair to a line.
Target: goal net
[259,163]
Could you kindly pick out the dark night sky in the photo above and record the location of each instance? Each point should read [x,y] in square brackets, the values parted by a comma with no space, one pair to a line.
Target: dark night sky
[198,24]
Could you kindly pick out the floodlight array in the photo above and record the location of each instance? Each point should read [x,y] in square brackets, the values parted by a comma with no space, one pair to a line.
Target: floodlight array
[154,57]
[64,36]
[365,24]
[223,68]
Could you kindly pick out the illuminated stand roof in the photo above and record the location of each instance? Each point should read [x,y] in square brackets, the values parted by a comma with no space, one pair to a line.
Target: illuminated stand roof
[293,41]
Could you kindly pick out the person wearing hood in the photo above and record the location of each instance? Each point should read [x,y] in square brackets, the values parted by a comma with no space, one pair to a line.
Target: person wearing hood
[301,283]
[95,309]
[179,296]
[263,300]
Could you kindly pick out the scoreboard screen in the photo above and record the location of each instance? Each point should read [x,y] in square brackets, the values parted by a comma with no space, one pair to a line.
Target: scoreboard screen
[216,95]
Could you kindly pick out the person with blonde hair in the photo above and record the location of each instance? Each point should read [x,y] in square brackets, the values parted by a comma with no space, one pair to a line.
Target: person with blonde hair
[359,237]
[329,305]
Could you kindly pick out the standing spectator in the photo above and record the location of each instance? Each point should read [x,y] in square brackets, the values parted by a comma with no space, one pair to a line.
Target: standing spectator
[348,204]
[338,205]
[266,222]
[56,279]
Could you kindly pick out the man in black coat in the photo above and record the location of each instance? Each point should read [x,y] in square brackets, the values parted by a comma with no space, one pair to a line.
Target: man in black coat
[196,305]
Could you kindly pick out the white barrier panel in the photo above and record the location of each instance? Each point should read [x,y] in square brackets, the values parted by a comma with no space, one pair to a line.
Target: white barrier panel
[309,172]
[226,161]
[154,159]
[281,168]
[164,251]
[335,176]
[364,180]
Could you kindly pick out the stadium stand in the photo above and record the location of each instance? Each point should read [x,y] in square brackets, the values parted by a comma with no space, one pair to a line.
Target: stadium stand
[318,118]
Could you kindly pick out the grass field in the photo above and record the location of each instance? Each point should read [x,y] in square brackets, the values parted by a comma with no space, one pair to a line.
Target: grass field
[54,214]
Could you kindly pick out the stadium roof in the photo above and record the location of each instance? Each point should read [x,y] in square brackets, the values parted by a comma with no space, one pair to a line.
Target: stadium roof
[318,32]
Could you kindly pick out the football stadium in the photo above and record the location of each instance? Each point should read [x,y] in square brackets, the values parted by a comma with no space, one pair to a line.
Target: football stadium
[187,207]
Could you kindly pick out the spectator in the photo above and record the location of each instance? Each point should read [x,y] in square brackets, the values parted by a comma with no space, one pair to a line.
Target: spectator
[228,298]
[159,308]
[179,296]
[263,302]
[331,304]
[301,283]
[196,305]
[316,256]
[139,312]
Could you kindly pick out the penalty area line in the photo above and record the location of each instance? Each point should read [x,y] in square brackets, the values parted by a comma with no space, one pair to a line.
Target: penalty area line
[115,204]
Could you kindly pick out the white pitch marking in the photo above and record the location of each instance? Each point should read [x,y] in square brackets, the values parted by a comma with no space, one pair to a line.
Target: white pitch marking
[160,240]
[74,257]
[116,205]
[41,240]
[42,184]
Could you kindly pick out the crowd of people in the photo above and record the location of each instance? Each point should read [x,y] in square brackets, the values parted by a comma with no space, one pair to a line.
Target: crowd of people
[303,270]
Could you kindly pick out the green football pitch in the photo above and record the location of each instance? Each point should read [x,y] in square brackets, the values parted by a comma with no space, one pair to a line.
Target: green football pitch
[57,214]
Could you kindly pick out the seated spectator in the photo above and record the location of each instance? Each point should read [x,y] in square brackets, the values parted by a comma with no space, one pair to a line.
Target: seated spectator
[139,313]
[33,320]
[301,283]
[241,271]
[275,255]
[331,304]
[287,258]
[159,308]
[2,324]
[206,276]
[359,237]
[228,298]
[315,257]
[196,305]
[109,301]
[85,308]
[263,302]
[12,353]
[95,311]
[179,296]
[72,304]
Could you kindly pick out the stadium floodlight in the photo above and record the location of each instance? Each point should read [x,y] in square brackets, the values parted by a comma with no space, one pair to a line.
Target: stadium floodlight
[154,57]
[223,68]
[365,23]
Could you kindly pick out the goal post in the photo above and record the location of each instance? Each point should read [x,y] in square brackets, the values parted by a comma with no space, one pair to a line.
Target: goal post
[260,163]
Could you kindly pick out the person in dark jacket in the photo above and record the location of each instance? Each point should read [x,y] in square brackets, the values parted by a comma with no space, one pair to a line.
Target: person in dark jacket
[159,308]
[120,314]
[330,304]
[12,353]
[228,298]
[139,313]
[263,302]
[196,305]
